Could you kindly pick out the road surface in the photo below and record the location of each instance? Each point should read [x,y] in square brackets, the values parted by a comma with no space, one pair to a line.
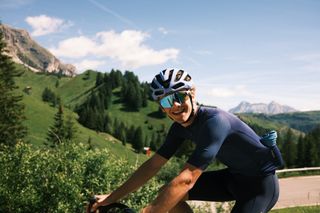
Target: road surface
[294,191]
[299,191]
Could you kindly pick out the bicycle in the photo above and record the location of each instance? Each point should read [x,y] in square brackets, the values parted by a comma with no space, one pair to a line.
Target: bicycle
[112,208]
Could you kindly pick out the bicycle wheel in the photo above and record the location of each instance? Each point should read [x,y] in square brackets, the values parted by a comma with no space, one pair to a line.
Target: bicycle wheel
[115,208]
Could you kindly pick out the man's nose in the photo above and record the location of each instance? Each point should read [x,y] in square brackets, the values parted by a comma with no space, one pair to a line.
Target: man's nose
[176,103]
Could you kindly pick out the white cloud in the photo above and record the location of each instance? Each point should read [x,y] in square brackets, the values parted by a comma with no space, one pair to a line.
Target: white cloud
[88,64]
[127,48]
[43,25]
[75,47]
[222,92]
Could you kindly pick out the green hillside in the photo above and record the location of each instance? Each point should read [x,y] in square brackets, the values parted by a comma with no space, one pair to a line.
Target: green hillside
[298,121]
[303,121]
[40,115]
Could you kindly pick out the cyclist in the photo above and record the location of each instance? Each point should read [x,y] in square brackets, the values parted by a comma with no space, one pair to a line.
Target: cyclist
[251,161]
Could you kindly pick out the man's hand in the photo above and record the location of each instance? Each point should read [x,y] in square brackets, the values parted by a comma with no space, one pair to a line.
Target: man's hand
[101,201]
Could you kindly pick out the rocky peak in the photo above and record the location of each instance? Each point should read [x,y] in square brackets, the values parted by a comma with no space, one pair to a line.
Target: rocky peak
[23,50]
[271,108]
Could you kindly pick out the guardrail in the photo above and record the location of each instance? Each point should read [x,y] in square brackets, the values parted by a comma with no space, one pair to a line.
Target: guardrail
[298,169]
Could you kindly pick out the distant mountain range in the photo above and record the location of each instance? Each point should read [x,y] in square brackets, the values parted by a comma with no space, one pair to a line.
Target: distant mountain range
[23,50]
[272,108]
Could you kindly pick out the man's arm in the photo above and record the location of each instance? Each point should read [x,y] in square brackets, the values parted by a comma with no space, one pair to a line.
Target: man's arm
[146,171]
[175,190]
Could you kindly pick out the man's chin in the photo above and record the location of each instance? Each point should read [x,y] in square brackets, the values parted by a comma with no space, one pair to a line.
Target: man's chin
[181,119]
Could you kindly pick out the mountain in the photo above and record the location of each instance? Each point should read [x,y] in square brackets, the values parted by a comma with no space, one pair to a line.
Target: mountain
[271,108]
[26,51]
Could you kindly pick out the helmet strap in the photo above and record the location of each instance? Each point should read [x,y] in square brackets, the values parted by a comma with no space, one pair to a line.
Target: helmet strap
[192,111]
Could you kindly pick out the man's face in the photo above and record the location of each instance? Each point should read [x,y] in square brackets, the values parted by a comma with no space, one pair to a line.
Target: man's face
[177,106]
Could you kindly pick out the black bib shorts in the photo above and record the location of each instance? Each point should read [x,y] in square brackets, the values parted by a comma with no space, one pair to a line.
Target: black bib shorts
[252,194]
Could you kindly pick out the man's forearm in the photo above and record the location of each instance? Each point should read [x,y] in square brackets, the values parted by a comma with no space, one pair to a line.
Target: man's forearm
[145,172]
[175,191]
[168,198]
[133,183]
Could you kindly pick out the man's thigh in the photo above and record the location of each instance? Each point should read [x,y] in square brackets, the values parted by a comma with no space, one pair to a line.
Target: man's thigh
[255,194]
[212,186]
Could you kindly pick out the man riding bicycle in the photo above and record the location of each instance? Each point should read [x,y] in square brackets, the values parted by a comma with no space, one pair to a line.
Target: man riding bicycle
[249,178]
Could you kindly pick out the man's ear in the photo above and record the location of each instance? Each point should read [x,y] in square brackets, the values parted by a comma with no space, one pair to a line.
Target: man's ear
[193,93]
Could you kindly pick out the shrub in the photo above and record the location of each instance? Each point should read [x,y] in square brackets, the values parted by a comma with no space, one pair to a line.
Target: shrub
[61,179]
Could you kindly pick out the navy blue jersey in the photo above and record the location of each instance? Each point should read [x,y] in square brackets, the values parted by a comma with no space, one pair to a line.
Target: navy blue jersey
[221,135]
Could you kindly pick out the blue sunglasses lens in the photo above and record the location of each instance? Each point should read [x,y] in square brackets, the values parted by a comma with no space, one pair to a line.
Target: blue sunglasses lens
[167,101]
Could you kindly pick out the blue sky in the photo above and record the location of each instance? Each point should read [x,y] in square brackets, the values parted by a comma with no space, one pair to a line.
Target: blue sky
[240,50]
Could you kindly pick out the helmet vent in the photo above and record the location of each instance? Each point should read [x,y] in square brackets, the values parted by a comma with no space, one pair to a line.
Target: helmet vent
[187,78]
[154,85]
[178,85]
[160,92]
[165,84]
[178,75]
[170,74]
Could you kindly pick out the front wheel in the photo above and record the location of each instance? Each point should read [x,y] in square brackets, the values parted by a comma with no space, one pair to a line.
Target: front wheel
[115,208]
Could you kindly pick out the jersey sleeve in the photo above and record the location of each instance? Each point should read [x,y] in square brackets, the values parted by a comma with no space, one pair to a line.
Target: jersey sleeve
[212,134]
[172,142]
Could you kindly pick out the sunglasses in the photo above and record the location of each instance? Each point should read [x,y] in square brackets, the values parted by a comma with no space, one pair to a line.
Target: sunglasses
[179,97]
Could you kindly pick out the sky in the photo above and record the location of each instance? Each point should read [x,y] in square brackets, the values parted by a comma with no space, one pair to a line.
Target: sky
[235,50]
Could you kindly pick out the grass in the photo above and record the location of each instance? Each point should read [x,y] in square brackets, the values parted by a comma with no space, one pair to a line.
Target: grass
[142,118]
[40,115]
[296,174]
[75,90]
[300,209]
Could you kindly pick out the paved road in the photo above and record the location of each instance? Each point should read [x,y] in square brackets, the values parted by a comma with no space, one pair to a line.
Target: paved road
[299,191]
[295,191]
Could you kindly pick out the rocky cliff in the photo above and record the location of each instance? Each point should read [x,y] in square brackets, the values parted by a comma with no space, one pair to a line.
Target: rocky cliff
[26,51]
[271,108]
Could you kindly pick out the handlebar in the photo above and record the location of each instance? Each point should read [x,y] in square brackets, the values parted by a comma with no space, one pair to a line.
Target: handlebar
[112,208]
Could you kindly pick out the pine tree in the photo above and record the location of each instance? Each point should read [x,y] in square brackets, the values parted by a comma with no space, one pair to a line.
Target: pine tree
[122,133]
[90,146]
[116,78]
[107,124]
[49,96]
[99,79]
[312,147]
[289,150]
[56,133]
[301,160]
[146,93]
[138,142]
[70,129]
[316,136]
[153,144]
[11,109]
[130,134]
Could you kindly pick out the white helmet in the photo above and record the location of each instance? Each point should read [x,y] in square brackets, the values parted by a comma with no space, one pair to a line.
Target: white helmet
[169,81]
